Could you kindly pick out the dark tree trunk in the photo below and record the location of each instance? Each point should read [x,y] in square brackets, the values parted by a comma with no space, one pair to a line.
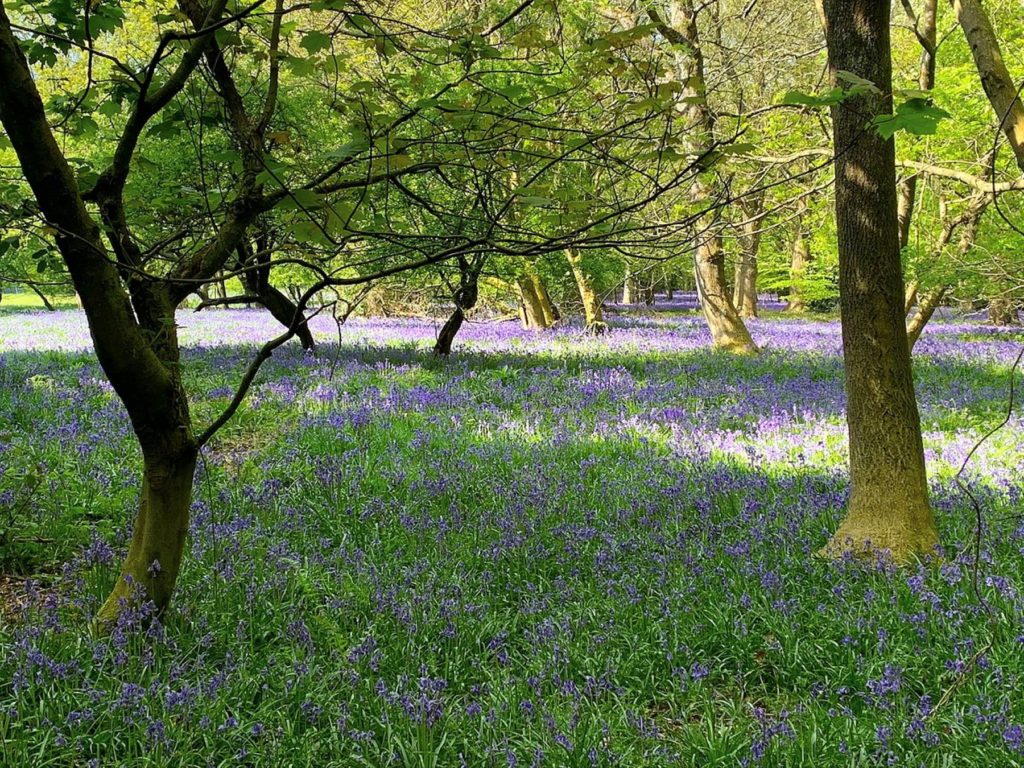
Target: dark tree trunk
[888,506]
[42,297]
[255,275]
[133,330]
[464,299]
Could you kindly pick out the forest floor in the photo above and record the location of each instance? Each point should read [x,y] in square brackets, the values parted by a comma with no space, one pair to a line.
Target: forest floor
[548,550]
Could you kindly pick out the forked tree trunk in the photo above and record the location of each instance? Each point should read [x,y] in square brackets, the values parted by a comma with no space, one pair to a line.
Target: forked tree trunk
[888,506]
[800,259]
[1002,311]
[728,332]
[680,29]
[925,309]
[133,331]
[745,274]
[255,276]
[592,314]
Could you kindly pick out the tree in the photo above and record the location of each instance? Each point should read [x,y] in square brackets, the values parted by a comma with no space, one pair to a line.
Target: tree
[679,28]
[888,506]
[996,80]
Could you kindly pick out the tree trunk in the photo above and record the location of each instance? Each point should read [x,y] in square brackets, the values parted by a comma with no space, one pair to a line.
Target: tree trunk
[969,219]
[745,283]
[42,297]
[592,313]
[910,295]
[800,258]
[925,309]
[905,208]
[728,332]
[551,313]
[627,286]
[1002,311]
[924,27]
[151,567]
[680,29]
[464,299]
[531,310]
[254,269]
[995,78]
[888,506]
[133,331]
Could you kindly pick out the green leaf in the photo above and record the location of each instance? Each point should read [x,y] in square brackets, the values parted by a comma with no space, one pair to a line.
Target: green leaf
[314,42]
[915,116]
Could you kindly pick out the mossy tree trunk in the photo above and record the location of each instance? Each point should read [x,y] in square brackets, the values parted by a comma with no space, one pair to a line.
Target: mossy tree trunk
[531,306]
[888,506]
[130,317]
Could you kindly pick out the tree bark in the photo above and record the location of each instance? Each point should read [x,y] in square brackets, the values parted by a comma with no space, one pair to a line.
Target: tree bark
[531,308]
[151,567]
[592,314]
[924,29]
[547,306]
[627,286]
[800,258]
[888,506]
[910,295]
[995,78]
[680,29]
[464,299]
[969,219]
[925,309]
[745,274]
[1002,311]
[42,297]
[254,266]
[133,330]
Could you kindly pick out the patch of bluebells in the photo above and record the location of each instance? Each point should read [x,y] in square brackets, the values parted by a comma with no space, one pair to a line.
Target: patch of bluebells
[550,550]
